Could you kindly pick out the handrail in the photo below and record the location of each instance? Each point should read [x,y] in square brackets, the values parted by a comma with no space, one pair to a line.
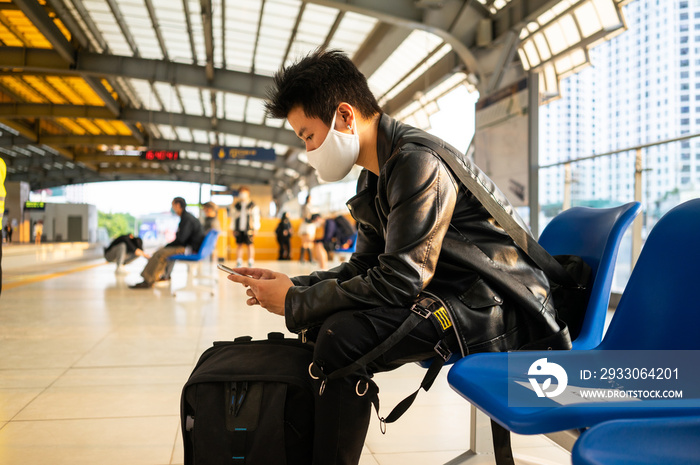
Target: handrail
[628,149]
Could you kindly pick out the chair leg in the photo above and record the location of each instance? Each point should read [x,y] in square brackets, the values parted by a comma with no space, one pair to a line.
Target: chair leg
[194,275]
[481,446]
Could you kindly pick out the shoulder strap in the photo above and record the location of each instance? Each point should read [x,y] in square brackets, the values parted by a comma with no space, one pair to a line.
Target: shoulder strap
[552,268]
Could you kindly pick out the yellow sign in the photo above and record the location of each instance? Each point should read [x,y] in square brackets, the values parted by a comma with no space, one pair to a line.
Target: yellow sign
[443,318]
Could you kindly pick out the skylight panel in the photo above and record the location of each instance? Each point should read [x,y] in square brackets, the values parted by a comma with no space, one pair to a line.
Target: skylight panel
[206,102]
[106,23]
[411,52]
[168,96]
[255,112]
[235,106]
[200,136]
[184,134]
[352,32]
[167,132]
[191,100]
[316,21]
[232,140]
[274,122]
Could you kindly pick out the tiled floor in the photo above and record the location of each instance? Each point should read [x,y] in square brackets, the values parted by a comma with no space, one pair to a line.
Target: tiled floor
[91,373]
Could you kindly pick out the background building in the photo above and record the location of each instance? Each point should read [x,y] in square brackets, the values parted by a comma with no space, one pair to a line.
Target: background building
[643,87]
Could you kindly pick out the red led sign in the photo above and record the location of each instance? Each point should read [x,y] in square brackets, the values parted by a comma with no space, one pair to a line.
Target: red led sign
[161,155]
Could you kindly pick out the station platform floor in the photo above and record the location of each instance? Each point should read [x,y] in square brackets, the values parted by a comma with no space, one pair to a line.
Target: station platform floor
[91,371]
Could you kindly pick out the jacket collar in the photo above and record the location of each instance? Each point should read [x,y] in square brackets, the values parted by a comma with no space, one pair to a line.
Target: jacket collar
[386,131]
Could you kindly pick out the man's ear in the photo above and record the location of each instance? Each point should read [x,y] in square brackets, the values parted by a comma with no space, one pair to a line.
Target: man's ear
[346,116]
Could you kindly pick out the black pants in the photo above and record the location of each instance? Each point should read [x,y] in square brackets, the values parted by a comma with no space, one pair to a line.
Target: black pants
[284,243]
[342,416]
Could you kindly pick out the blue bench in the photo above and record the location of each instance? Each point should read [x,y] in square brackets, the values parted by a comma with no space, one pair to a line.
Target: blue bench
[658,311]
[667,441]
[194,262]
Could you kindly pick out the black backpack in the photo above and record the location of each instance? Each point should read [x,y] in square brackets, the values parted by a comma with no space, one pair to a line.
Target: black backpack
[250,402]
[344,230]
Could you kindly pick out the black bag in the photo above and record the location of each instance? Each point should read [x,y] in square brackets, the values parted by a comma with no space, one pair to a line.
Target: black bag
[250,402]
[571,301]
[344,231]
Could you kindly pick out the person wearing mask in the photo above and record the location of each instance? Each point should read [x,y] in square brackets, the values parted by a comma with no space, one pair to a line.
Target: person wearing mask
[246,222]
[424,242]
[189,234]
[124,250]
[283,232]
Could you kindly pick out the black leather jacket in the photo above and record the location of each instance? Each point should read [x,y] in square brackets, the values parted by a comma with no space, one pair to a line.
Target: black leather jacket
[421,231]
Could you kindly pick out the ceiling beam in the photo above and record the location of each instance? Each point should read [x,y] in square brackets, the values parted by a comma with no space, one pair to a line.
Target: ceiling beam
[379,46]
[253,131]
[47,110]
[100,65]
[406,13]
[100,139]
[442,69]
[40,19]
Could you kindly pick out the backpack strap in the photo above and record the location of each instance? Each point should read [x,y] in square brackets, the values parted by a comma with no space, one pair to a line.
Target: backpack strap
[427,308]
[479,187]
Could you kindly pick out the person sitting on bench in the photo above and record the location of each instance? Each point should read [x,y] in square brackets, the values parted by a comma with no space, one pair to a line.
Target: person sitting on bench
[425,244]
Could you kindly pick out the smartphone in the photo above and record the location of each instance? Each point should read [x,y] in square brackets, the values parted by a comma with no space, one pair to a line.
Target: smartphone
[228,270]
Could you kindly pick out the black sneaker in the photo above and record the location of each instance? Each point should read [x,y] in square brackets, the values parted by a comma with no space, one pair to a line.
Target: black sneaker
[141,285]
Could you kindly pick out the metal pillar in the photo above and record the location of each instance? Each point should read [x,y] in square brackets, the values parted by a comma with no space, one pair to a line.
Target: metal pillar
[637,225]
[533,105]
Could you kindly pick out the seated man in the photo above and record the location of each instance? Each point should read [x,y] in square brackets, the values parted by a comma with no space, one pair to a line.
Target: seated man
[124,250]
[211,221]
[189,234]
[423,239]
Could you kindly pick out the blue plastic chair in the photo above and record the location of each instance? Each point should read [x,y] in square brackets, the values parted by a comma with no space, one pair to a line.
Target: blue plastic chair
[593,234]
[194,261]
[657,311]
[350,248]
[668,441]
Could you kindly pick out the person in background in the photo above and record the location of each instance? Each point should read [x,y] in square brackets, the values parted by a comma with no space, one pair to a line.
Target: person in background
[324,243]
[284,237]
[209,222]
[246,222]
[307,209]
[307,232]
[124,250]
[38,231]
[8,232]
[3,193]
[189,234]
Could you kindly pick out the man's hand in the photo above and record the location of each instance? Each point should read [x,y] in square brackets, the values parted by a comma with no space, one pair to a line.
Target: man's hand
[265,287]
[141,253]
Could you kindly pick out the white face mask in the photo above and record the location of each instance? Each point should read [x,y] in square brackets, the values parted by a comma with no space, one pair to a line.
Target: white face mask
[336,156]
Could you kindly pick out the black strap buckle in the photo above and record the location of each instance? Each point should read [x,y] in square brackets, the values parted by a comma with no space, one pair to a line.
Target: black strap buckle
[425,307]
[442,350]
[421,310]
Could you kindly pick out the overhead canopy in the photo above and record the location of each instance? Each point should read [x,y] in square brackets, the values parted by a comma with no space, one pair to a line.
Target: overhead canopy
[87,84]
